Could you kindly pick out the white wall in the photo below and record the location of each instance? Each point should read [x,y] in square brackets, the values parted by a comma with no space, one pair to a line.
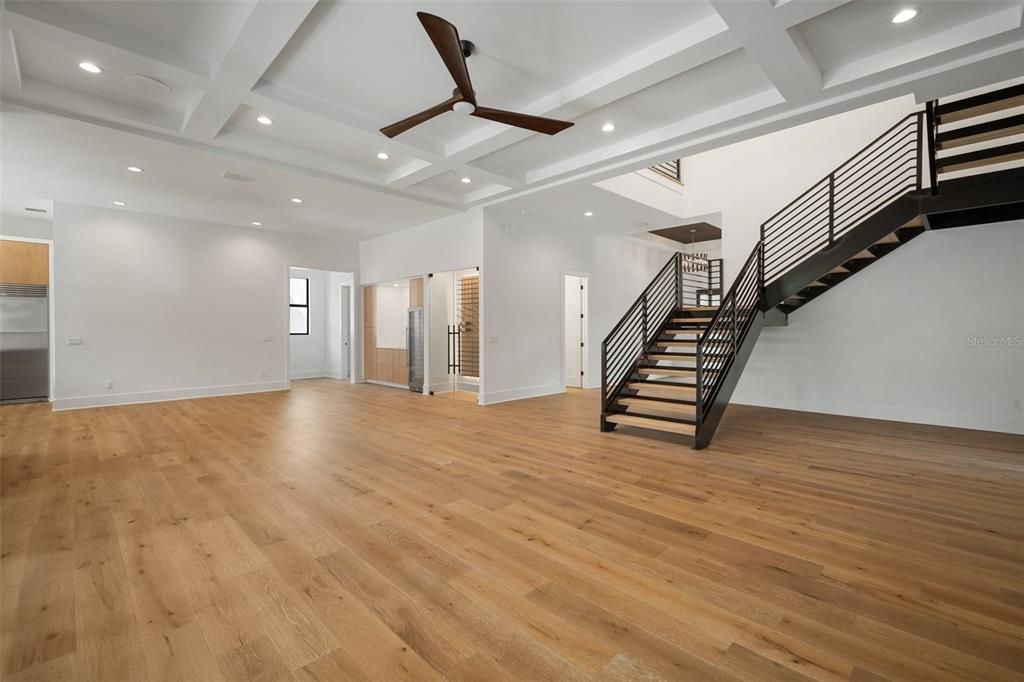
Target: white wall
[29,228]
[391,310]
[898,340]
[169,308]
[339,358]
[309,352]
[522,291]
[748,182]
[446,244]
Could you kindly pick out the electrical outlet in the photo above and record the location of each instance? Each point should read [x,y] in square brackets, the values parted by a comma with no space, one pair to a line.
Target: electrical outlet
[74,340]
[110,384]
[268,339]
[1017,405]
[263,375]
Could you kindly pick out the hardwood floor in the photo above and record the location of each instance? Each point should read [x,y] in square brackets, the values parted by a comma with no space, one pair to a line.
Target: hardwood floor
[343,532]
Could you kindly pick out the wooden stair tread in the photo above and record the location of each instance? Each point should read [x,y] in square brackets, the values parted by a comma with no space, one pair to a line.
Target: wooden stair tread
[672,409]
[982,132]
[664,390]
[689,357]
[675,344]
[864,255]
[838,270]
[668,371]
[890,238]
[949,113]
[1010,155]
[655,424]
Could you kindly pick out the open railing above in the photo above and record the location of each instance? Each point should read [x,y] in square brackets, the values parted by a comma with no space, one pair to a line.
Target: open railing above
[681,282]
[669,169]
[872,178]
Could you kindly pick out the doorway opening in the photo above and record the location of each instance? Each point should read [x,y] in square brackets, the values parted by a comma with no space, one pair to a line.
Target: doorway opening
[455,333]
[575,330]
[320,323]
[393,333]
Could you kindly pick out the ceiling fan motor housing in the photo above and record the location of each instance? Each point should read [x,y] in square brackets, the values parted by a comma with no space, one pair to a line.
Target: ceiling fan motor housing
[468,48]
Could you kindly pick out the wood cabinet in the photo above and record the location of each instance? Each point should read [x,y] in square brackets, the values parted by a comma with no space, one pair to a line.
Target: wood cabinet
[24,262]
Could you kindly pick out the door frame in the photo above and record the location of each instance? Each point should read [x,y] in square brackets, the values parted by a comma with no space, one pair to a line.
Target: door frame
[347,325]
[51,313]
[586,323]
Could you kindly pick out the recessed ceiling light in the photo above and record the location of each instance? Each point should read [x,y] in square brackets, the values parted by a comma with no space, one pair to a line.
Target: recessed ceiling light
[89,67]
[256,223]
[904,15]
[588,214]
[383,156]
[120,203]
[466,181]
[608,127]
[296,200]
[395,284]
[134,169]
[264,119]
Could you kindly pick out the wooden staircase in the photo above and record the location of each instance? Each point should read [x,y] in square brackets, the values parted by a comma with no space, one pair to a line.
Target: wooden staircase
[661,393]
[672,366]
[853,265]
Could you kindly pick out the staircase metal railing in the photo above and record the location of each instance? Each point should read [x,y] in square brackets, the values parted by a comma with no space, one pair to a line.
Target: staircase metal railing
[817,227]
[675,286]
[877,175]
[720,343]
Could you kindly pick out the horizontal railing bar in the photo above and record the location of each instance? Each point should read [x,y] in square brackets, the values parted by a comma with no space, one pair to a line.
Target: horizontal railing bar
[820,205]
[813,200]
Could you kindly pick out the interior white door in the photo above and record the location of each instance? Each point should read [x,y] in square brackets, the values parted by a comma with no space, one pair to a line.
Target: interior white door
[575,326]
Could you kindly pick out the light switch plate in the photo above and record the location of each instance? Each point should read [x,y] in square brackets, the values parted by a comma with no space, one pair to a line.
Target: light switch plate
[74,340]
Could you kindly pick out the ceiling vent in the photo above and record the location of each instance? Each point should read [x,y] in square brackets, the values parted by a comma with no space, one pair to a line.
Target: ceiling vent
[148,85]
[227,175]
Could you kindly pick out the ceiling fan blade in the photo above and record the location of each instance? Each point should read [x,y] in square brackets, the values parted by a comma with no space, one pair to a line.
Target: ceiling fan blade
[548,126]
[416,119]
[446,41]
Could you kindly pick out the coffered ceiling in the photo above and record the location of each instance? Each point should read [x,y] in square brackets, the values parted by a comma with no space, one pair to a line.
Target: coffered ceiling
[186,81]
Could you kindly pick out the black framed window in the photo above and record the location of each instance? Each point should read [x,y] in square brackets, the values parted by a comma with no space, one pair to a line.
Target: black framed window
[298,306]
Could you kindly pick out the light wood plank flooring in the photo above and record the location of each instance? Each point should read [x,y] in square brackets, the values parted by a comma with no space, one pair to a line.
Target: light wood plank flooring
[343,532]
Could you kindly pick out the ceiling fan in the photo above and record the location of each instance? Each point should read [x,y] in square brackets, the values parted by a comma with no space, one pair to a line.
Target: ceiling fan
[453,53]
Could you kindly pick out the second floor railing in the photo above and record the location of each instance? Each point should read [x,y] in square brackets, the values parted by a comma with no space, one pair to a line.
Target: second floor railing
[669,169]
[881,172]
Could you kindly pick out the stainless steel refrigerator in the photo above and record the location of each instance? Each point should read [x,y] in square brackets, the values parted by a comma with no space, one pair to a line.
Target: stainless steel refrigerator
[24,342]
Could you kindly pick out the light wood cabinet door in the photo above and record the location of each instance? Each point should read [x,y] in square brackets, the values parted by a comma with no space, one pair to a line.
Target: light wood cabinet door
[24,262]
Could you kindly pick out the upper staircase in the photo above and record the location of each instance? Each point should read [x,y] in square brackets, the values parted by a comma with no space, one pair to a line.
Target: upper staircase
[671,364]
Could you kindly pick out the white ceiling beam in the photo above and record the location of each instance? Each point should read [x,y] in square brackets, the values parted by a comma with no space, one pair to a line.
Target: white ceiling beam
[778,51]
[36,16]
[700,43]
[264,34]
[431,162]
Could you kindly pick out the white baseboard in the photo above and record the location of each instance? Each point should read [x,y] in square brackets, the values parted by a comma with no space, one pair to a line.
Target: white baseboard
[389,384]
[893,413]
[308,374]
[520,393]
[107,400]
[316,374]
